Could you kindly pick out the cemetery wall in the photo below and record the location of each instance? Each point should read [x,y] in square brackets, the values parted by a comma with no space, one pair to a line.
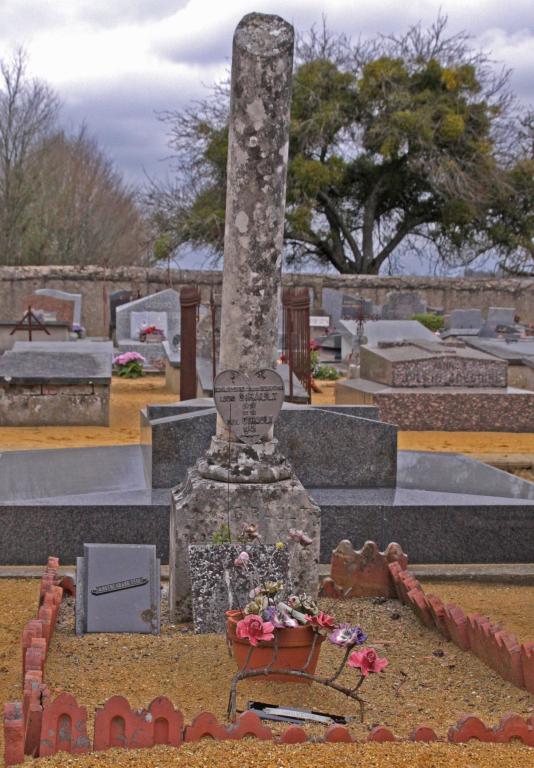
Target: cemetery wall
[96,283]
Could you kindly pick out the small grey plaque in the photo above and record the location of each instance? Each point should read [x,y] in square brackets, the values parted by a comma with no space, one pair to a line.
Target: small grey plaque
[249,405]
[118,589]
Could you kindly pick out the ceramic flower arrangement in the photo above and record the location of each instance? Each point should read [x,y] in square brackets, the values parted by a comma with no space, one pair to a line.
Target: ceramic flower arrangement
[278,636]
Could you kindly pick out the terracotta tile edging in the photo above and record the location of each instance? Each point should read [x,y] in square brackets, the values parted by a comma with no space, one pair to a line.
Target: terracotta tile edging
[492,644]
[41,727]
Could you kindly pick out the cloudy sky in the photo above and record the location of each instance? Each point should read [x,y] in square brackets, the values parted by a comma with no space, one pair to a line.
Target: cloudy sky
[115,63]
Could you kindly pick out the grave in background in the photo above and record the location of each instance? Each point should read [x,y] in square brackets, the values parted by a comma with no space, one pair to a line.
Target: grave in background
[519,354]
[74,298]
[50,308]
[161,309]
[436,386]
[46,383]
[373,332]
[402,305]
[118,589]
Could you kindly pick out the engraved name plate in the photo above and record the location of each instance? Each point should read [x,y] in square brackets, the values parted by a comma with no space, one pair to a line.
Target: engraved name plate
[249,405]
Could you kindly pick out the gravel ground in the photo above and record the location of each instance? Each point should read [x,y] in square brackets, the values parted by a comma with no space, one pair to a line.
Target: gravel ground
[513,606]
[428,681]
[250,754]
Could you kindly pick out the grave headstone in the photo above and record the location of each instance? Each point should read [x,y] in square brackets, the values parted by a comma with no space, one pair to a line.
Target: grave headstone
[254,480]
[118,589]
[51,307]
[402,305]
[465,318]
[165,302]
[217,585]
[75,298]
[163,308]
[501,316]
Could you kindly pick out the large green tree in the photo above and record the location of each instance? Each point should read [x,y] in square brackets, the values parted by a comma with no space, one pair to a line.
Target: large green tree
[400,142]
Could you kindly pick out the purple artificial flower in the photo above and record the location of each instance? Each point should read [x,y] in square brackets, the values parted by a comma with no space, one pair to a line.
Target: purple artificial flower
[345,636]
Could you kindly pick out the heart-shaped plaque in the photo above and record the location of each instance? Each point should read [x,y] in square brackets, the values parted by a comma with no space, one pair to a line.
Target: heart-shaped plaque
[249,405]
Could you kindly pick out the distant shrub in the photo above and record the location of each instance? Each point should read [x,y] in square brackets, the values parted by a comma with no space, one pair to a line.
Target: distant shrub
[327,373]
[430,321]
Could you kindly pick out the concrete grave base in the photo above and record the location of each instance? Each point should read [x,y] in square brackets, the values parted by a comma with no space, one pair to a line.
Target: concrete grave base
[200,506]
[218,585]
[37,405]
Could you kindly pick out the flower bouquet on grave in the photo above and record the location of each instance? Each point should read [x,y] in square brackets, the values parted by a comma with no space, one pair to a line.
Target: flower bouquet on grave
[279,638]
[78,330]
[129,365]
[151,333]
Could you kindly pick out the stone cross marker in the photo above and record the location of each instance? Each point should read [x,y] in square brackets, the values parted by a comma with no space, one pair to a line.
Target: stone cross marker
[243,478]
[249,405]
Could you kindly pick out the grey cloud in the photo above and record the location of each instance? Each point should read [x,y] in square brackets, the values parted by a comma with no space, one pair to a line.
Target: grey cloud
[106,13]
[208,46]
[123,117]
[21,20]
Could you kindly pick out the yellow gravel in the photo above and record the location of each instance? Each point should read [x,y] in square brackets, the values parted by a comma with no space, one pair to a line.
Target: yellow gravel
[420,686]
[251,754]
[428,681]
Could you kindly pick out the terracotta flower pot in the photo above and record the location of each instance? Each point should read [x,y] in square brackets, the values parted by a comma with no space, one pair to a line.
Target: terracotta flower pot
[294,646]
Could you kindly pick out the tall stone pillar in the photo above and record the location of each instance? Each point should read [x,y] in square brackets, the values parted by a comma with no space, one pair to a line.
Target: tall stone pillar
[258,142]
[240,482]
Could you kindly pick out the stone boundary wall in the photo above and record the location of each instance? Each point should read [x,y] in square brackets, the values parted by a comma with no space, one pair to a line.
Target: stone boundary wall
[96,283]
[40,727]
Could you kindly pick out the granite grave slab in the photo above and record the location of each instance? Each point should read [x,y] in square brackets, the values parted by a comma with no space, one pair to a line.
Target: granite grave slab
[334,445]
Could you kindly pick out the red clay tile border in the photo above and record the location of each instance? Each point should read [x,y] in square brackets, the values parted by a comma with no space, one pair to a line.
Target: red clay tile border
[363,572]
[369,572]
[40,727]
[491,643]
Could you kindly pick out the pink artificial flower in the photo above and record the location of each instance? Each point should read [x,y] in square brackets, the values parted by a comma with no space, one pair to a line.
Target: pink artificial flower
[254,629]
[367,661]
[321,621]
[300,537]
[242,560]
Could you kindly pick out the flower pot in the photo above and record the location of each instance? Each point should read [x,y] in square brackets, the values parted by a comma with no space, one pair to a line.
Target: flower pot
[294,646]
